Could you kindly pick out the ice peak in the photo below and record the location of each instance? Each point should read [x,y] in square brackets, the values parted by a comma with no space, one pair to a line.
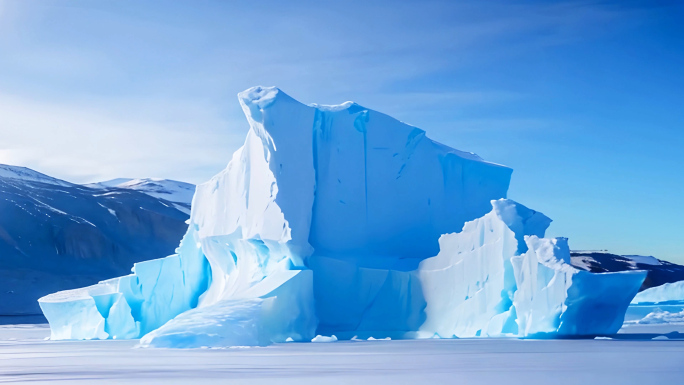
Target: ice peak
[262,97]
[259,96]
[521,219]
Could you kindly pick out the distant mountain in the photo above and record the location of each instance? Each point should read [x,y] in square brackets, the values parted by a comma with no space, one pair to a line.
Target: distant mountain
[659,271]
[179,193]
[28,175]
[56,235]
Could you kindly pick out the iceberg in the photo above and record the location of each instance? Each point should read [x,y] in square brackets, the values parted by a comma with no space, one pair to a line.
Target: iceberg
[498,277]
[556,298]
[340,220]
[470,285]
[658,304]
[133,305]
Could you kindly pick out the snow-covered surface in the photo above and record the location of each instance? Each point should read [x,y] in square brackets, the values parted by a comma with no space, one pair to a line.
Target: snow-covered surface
[27,357]
[644,259]
[26,174]
[330,221]
[109,183]
[582,262]
[180,193]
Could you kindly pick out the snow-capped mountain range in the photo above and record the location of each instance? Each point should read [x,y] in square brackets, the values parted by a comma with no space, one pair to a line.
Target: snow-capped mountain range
[173,191]
[27,175]
[167,189]
[57,235]
[659,272]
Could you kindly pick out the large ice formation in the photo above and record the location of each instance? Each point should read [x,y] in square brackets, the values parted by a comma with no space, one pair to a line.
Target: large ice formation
[339,220]
[657,304]
[497,277]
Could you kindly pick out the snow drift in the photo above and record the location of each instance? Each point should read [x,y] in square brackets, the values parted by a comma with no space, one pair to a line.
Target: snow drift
[330,221]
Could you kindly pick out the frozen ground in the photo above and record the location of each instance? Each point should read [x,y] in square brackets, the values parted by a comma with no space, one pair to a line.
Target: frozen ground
[26,357]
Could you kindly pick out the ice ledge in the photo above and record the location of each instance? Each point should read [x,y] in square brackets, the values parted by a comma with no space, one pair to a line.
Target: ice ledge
[337,107]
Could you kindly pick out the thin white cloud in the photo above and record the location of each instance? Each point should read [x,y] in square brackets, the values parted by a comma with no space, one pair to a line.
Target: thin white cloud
[84,144]
[132,91]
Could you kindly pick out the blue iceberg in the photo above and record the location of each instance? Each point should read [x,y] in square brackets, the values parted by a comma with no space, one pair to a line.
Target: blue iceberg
[340,220]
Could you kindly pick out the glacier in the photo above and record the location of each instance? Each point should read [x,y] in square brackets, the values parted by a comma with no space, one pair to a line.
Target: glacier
[340,220]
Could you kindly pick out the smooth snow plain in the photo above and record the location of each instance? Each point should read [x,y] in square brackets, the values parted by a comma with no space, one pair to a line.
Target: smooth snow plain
[25,356]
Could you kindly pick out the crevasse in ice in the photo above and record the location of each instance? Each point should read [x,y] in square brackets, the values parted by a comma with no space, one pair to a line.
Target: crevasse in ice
[339,220]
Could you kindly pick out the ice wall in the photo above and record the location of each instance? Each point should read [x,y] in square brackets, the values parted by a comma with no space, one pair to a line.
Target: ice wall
[469,286]
[383,189]
[342,183]
[132,305]
[498,277]
[329,220]
[554,297]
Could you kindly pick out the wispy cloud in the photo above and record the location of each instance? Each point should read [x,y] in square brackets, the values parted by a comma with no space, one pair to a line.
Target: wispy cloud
[84,144]
[96,90]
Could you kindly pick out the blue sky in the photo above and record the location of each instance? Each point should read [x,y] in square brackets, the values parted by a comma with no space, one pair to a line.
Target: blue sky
[583,99]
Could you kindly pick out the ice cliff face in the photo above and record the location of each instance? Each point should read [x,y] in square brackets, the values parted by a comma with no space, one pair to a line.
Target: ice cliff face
[328,221]
[498,277]
[554,297]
